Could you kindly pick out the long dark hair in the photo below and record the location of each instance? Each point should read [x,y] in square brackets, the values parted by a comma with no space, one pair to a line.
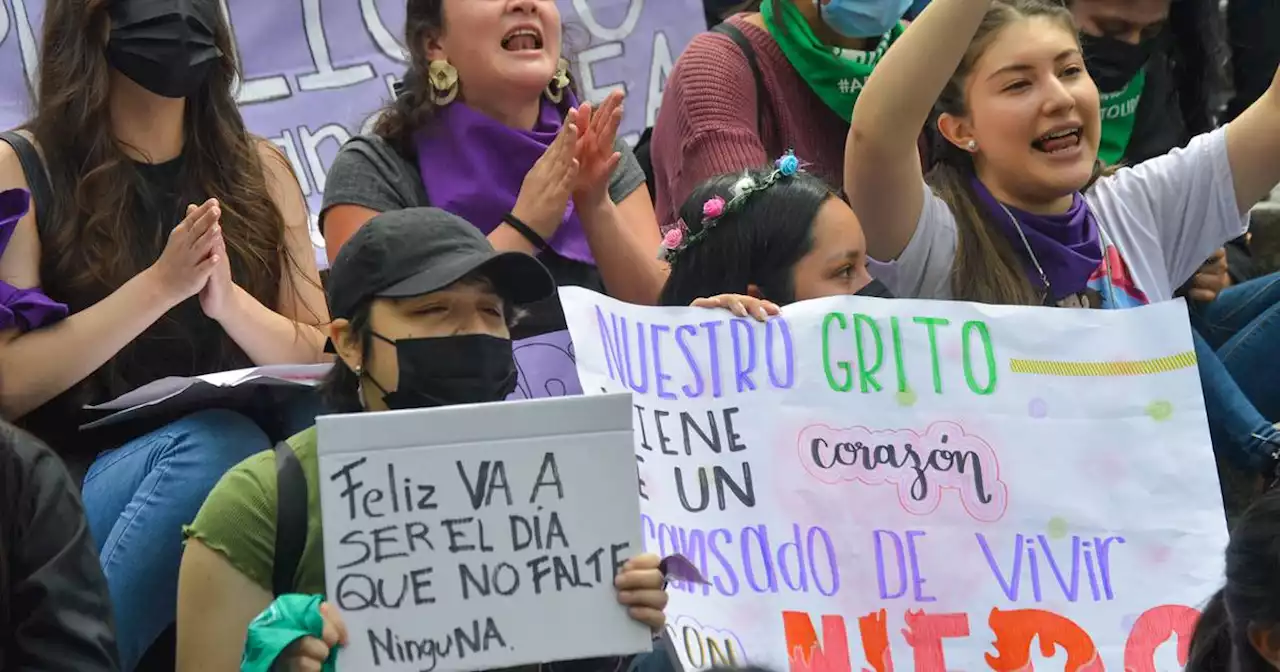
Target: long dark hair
[1210,649]
[758,244]
[412,109]
[96,246]
[987,269]
[1252,591]
[1197,51]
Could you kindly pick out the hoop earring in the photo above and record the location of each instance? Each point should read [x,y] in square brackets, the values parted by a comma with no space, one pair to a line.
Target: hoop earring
[443,78]
[559,82]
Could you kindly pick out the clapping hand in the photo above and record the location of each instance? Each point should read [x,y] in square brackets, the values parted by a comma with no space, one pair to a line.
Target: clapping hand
[596,157]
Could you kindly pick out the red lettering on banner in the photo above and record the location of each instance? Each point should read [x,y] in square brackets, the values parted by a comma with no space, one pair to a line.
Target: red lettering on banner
[874,628]
[924,632]
[1154,627]
[1016,629]
[806,653]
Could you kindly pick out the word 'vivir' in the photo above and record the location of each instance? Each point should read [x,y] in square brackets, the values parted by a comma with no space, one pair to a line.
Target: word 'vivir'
[869,341]
[644,356]
[1036,553]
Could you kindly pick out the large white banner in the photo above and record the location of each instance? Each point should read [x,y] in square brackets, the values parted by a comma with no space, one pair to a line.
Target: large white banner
[879,484]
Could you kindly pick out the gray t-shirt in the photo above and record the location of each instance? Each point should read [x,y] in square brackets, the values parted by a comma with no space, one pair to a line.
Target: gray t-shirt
[1163,218]
[368,172]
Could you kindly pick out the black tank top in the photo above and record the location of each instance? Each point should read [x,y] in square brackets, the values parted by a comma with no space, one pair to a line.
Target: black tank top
[184,342]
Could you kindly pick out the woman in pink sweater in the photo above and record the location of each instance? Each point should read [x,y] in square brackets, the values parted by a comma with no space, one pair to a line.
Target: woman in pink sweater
[785,77]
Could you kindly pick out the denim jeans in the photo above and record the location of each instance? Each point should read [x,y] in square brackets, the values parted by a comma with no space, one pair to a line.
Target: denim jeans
[1237,339]
[138,497]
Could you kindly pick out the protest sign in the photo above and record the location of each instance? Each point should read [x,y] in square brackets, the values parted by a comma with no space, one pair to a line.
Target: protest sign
[480,537]
[879,484]
[317,71]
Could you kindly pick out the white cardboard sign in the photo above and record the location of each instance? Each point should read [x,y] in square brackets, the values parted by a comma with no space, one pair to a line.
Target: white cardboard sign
[481,537]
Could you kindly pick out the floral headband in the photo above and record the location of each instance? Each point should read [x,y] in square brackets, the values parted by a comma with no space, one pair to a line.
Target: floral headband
[678,239]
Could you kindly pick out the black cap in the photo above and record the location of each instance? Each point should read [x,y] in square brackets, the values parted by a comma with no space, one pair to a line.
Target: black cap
[417,251]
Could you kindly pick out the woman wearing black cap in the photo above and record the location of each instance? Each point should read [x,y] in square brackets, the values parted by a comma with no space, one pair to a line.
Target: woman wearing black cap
[422,308]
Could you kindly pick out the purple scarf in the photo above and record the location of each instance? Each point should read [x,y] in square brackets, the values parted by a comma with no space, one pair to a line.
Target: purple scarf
[1067,245]
[473,166]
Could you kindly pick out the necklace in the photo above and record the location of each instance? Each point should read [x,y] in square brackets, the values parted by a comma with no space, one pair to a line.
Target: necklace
[1044,278]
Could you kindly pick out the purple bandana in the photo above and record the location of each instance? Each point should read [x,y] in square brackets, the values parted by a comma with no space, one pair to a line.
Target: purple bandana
[473,166]
[25,308]
[1067,245]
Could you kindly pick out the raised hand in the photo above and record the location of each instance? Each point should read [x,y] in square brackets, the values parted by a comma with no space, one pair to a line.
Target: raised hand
[596,156]
[544,194]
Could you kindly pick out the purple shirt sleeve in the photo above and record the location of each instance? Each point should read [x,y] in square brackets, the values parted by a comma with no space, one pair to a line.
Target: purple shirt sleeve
[29,308]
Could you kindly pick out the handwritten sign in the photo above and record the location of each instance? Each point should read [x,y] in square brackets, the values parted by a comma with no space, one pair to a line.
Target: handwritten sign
[874,484]
[317,71]
[480,537]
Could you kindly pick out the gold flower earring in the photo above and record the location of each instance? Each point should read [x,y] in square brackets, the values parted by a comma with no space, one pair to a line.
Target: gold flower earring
[444,82]
[559,82]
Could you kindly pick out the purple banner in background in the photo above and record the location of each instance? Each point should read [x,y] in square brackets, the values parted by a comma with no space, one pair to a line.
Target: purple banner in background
[316,71]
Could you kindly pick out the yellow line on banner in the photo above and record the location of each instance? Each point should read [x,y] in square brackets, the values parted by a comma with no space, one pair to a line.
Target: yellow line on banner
[1142,367]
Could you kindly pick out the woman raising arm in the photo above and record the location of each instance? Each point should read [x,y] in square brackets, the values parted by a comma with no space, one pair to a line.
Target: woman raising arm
[1020,210]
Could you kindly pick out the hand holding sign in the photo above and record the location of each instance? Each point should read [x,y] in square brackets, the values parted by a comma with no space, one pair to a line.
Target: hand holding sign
[309,653]
[640,588]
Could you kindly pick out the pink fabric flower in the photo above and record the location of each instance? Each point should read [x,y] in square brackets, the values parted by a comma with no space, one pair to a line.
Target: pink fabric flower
[673,239]
[714,207]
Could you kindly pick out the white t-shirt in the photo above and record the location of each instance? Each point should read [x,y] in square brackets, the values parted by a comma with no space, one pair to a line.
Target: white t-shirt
[1159,221]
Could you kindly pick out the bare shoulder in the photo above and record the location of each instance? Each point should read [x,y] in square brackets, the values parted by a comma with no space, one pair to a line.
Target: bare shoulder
[274,162]
[11,175]
[20,259]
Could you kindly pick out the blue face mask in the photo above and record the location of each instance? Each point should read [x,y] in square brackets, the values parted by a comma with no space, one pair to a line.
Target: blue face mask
[862,18]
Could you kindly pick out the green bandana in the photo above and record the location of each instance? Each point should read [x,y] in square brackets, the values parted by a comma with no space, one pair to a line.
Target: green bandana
[1119,112]
[836,78]
[289,618]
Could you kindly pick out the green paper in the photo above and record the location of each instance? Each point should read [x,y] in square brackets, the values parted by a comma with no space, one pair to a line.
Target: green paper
[288,619]
[835,78]
[1119,113]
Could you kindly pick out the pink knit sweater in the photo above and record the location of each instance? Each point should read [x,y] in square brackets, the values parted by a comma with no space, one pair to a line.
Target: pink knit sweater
[708,124]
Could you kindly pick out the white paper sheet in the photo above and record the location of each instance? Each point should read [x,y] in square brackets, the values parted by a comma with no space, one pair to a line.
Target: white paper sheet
[174,391]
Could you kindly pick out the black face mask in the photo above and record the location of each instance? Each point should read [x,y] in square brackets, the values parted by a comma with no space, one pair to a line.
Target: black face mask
[450,370]
[166,46]
[875,289]
[1114,63]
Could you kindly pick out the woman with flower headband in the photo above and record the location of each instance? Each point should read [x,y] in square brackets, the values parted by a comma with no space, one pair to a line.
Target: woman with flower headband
[749,242]
[785,76]
[486,127]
